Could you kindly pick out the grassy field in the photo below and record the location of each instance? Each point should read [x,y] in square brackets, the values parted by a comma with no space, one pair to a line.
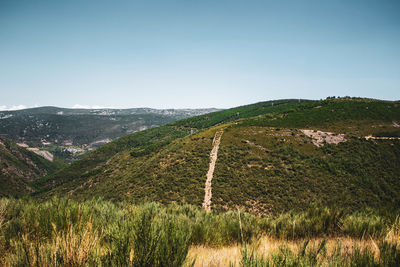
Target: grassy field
[62,232]
[267,251]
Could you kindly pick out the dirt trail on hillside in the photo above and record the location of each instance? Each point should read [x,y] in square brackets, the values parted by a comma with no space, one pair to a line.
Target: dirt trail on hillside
[210,173]
[381,138]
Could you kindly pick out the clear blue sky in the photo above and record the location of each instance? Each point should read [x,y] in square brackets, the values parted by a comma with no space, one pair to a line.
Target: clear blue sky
[177,54]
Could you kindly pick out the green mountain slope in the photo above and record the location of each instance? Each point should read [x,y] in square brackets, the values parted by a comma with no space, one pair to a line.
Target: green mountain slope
[266,161]
[152,140]
[19,167]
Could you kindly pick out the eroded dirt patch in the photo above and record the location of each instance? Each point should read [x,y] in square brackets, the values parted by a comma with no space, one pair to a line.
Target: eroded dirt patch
[319,138]
[45,154]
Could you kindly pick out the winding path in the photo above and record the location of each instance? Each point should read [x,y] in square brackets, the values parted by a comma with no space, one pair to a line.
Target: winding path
[210,173]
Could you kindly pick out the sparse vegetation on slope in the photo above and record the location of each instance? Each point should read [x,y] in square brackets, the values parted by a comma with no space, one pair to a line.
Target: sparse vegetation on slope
[281,169]
[358,117]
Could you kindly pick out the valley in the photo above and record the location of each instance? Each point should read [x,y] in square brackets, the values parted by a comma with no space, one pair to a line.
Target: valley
[70,133]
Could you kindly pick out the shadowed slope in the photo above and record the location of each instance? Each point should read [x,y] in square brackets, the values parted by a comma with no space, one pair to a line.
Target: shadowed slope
[19,167]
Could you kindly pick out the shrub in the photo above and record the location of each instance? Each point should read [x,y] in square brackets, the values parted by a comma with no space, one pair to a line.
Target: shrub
[362,224]
[315,221]
[101,233]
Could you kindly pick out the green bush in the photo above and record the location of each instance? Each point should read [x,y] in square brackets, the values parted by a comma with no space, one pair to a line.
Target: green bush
[362,224]
[315,221]
[389,255]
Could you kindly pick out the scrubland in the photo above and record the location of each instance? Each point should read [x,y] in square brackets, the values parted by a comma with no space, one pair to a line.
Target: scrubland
[64,232]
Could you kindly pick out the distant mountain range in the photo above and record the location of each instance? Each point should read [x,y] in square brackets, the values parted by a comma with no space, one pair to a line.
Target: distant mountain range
[69,133]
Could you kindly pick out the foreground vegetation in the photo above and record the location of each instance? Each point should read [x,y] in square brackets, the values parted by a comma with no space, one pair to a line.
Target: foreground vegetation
[62,232]
[319,253]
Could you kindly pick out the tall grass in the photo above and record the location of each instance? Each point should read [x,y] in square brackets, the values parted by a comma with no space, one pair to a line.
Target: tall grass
[62,232]
[306,256]
[3,208]
[317,255]
[315,221]
[362,224]
[67,233]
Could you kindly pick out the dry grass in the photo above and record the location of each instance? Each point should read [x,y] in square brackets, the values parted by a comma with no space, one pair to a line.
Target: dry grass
[213,257]
[393,235]
[77,248]
[3,208]
[99,233]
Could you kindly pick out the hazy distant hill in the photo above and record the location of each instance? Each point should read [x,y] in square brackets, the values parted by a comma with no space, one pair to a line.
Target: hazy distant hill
[273,156]
[68,133]
[19,167]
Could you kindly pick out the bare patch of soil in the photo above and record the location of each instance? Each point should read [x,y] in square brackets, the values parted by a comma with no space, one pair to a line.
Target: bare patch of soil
[319,138]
